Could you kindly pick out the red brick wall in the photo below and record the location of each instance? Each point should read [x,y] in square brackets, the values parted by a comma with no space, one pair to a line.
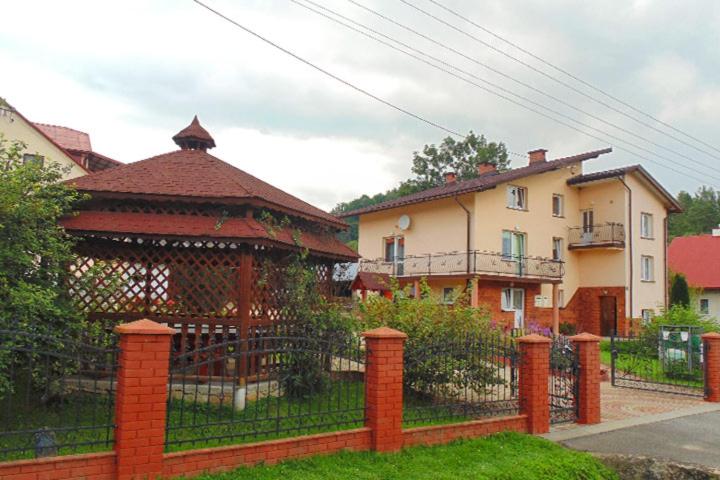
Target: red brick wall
[95,466]
[711,347]
[440,434]
[196,462]
[586,306]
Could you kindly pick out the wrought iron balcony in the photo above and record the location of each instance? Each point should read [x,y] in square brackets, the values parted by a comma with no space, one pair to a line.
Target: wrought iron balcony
[473,262]
[609,235]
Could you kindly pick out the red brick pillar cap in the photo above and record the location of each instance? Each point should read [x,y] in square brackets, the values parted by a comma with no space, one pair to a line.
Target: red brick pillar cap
[585,337]
[710,336]
[534,338]
[143,327]
[384,332]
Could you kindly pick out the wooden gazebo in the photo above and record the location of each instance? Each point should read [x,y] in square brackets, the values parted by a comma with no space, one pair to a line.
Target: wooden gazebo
[189,240]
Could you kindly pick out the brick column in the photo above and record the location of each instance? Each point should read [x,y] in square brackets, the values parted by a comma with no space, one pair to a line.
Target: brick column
[383,387]
[587,347]
[711,354]
[534,378]
[141,399]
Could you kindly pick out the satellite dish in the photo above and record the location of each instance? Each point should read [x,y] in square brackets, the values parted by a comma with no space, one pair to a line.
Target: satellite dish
[404,222]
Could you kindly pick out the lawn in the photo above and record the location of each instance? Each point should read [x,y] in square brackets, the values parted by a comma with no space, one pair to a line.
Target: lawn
[504,456]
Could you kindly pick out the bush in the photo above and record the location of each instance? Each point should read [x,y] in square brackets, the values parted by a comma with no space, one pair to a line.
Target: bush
[680,315]
[449,347]
[679,291]
[568,329]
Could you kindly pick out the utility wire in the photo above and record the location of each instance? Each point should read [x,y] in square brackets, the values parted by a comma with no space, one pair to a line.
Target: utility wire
[569,74]
[520,82]
[571,119]
[554,79]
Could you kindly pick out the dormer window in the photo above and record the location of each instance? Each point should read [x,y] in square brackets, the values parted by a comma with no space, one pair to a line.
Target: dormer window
[517,197]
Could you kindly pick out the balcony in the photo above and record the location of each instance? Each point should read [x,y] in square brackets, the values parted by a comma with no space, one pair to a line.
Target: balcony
[468,263]
[609,235]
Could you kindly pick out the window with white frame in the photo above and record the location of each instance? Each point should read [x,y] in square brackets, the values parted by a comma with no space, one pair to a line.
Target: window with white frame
[647,268]
[647,315]
[557,248]
[512,299]
[705,306]
[646,225]
[513,245]
[448,295]
[517,197]
[558,205]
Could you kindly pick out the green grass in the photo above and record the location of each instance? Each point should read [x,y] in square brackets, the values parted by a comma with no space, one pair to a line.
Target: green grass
[504,456]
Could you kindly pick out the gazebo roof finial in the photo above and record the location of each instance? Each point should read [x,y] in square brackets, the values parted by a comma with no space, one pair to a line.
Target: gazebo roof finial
[194,137]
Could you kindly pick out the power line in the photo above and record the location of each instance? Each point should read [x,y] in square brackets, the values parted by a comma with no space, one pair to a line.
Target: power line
[569,74]
[554,79]
[499,88]
[510,77]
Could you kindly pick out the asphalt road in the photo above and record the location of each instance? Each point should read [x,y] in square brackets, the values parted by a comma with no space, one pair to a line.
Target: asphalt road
[691,439]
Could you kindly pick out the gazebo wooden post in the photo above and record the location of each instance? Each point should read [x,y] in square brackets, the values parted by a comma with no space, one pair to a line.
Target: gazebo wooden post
[245,304]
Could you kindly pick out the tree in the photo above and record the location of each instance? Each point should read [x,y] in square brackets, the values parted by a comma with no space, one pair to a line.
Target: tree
[701,213]
[34,249]
[461,157]
[679,292]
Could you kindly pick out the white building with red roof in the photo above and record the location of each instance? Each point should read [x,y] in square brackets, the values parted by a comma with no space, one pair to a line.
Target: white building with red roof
[698,258]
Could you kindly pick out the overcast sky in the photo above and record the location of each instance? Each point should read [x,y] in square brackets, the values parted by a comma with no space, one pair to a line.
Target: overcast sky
[133,73]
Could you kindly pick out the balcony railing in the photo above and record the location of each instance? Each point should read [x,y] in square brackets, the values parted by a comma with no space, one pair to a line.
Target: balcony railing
[590,236]
[473,262]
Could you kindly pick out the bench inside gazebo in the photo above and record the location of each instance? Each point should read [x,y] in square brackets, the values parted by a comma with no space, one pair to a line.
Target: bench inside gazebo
[188,240]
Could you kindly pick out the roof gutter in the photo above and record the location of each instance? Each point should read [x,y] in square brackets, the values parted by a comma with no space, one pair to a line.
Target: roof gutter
[621,178]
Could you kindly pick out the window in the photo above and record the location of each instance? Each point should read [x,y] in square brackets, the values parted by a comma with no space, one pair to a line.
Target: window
[647,315]
[448,295]
[646,225]
[394,248]
[512,299]
[705,306]
[557,248]
[647,268]
[558,206]
[513,245]
[517,197]
[31,159]
[588,218]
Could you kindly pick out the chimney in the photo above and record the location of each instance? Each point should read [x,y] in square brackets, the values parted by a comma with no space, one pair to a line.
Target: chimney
[537,156]
[486,168]
[716,232]
[450,177]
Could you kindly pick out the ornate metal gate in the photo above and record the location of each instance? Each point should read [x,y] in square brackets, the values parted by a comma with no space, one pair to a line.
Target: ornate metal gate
[563,388]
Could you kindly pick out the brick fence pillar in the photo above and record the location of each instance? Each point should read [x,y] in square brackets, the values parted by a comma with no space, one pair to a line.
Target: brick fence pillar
[587,347]
[711,354]
[383,387]
[534,378]
[141,399]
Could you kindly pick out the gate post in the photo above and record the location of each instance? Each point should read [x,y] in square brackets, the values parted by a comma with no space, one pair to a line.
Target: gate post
[587,347]
[534,378]
[141,399]
[384,387]
[711,352]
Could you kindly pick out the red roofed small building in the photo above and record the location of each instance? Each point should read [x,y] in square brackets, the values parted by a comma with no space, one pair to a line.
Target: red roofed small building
[187,239]
[698,258]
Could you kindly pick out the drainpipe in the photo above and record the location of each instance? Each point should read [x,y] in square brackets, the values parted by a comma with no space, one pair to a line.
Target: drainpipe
[665,259]
[467,228]
[630,243]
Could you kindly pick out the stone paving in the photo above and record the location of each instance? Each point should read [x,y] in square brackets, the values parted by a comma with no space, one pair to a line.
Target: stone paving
[618,403]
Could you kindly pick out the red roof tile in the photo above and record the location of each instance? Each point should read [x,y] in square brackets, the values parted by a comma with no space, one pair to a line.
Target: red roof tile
[89,221]
[479,184]
[199,175]
[372,281]
[698,258]
[68,138]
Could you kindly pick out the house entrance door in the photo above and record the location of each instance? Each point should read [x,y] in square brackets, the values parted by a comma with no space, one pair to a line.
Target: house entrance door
[608,316]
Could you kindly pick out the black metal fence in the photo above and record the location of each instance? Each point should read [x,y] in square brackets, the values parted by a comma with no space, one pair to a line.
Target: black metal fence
[56,394]
[563,388]
[669,361]
[240,390]
[449,380]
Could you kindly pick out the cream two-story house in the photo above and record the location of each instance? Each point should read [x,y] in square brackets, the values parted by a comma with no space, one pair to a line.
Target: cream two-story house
[543,243]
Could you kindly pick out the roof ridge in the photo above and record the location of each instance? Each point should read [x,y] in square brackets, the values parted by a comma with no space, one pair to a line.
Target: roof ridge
[60,126]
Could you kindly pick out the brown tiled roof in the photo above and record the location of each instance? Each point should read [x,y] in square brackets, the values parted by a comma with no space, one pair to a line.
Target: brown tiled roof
[372,281]
[185,226]
[479,184]
[674,206]
[195,174]
[68,138]
[196,132]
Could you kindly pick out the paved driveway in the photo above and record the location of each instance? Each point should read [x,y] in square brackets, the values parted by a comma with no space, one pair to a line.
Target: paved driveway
[687,439]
